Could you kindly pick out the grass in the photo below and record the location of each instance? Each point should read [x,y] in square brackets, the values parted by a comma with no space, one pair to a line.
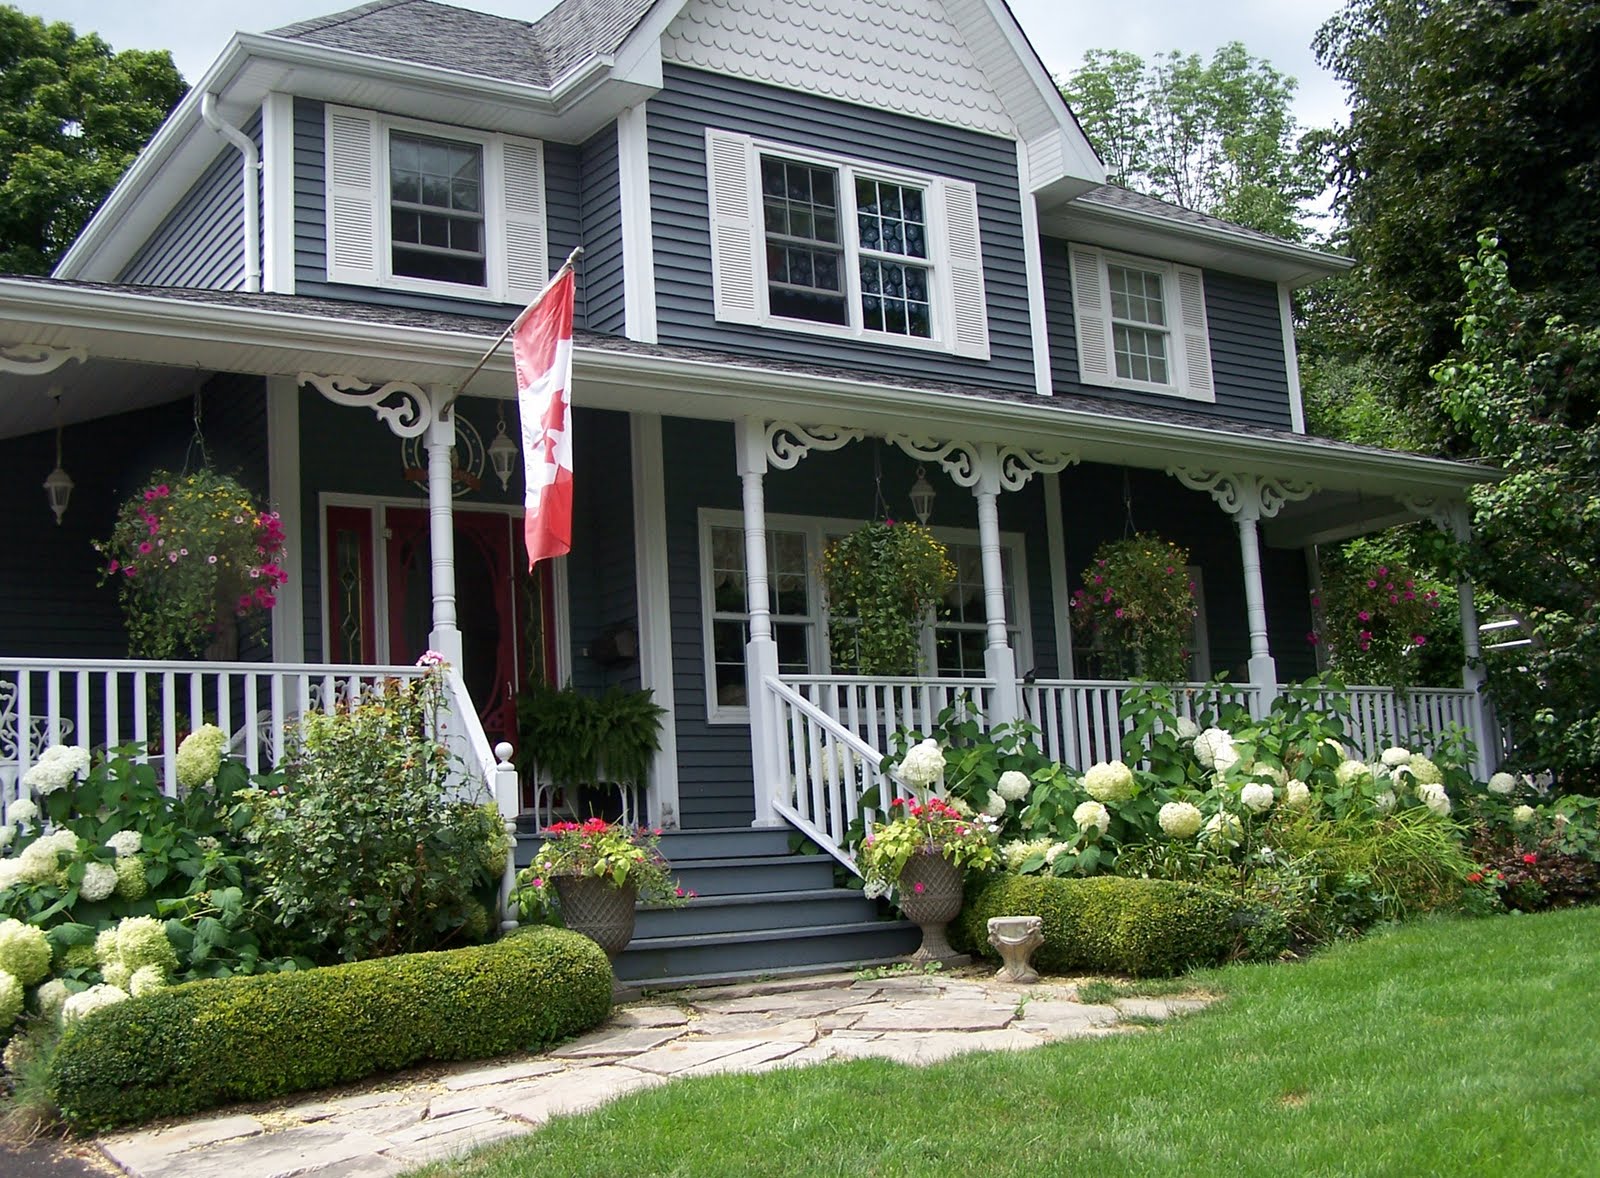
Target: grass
[1442,1047]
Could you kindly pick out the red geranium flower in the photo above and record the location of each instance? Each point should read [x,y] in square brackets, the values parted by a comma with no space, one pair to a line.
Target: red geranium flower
[1530,858]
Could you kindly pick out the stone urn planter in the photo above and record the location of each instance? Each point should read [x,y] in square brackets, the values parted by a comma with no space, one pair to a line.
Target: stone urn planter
[930,896]
[599,910]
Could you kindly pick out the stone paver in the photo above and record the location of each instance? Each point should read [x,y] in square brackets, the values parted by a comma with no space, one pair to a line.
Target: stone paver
[915,1020]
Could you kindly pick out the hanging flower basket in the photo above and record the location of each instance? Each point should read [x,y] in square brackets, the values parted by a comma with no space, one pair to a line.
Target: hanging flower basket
[883,580]
[192,556]
[1136,608]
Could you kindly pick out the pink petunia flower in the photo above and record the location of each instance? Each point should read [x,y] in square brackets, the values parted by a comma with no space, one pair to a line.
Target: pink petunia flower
[919,887]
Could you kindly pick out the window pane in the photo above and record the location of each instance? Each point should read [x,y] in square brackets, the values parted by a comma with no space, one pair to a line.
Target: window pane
[1140,354]
[800,212]
[1136,295]
[894,298]
[889,218]
[436,209]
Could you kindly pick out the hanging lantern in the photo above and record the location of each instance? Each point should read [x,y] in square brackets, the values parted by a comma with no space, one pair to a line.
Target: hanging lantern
[503,452]
[922,494]
[58,483]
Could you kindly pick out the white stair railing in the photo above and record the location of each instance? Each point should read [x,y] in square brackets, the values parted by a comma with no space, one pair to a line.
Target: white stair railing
[488,767]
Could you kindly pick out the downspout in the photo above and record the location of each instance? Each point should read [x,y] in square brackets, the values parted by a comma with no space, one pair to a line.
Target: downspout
[250,171]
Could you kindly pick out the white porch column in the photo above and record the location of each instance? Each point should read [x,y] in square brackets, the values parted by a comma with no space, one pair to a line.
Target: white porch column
[1472,671]
[1250,498]
[655,615]
[444,637]
[761,651]
[999,660]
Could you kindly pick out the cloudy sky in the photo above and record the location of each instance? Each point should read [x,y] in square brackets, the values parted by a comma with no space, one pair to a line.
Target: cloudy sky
[1277,30]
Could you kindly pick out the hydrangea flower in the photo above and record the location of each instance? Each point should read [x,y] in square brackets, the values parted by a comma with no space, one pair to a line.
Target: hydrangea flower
[200,755]
[7,834]
[923,765]
[1013,785]
[1187,730]
[57,767]
[1502,783]
[1384,801]
[146,979]
[1109,781]
[1296,794]
[24,951]
[1019,851]
[1424,771]
[125,842]
[1274,773]
[1257,797]
[90,1000]
[1223,828]
[131,881]
[1092,814]
[1353,773]
[51,996]
[1434,797]
[1214,749]
[22,811]
[11,998]
[994,805]
[117,974]
[1396,756]
[1055,852]
[142,940]
[99,881]
[1180,820]
[1523,815]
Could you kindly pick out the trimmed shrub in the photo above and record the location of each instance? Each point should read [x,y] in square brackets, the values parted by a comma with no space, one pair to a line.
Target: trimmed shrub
[207,1043]
[1108,924]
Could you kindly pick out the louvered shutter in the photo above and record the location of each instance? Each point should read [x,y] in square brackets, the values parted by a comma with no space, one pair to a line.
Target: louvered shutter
[527,254]
[735,227]
[355,197]
[1196,335]
[1090,315]
[969,312]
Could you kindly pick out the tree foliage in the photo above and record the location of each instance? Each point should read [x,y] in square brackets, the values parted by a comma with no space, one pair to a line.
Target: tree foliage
[1216,136]
[73,114]
[1464,113]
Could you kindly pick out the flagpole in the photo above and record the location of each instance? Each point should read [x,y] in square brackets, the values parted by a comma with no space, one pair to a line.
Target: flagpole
[577,252]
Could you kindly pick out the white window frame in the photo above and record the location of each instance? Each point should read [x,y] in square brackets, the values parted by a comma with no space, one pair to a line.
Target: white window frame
[1189,369]
[818,530]
[504,282]
[958,313]
[1017,633]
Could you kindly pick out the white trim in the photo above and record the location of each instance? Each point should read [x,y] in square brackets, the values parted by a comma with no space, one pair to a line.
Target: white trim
[655,606]
[638,234]
[283,490]
[1060,583]
[562,608]
[1291,359]
[277,191]
[817,529]
[1033,263]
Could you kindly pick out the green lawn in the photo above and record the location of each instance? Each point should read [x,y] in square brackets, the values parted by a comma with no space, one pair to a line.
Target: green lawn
[1445,1047]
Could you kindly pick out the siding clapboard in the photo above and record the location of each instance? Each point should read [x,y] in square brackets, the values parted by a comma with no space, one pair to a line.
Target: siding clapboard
[693,100]
[601,214]
[1247,360]
[201,242]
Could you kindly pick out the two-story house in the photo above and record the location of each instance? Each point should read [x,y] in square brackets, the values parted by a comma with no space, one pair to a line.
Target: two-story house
[832,250]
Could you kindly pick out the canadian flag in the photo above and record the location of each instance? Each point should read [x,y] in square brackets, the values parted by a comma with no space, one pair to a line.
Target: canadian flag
[542,345]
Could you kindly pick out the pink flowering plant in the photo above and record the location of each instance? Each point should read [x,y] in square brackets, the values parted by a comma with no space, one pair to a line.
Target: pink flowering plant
[948,829]
[189,555]
[623,856]
[1374,621]
[1136,608]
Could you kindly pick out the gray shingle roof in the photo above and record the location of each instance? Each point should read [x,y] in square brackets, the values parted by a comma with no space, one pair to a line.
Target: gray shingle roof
[429,33]
[1115,197]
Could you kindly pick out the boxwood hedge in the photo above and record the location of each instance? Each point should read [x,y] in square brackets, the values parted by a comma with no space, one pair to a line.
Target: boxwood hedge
[1108,924]
[207,1043]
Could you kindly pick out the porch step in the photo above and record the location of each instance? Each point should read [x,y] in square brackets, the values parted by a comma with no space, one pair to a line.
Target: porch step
[753,874]
[648,959]
[703,844]
[753,913]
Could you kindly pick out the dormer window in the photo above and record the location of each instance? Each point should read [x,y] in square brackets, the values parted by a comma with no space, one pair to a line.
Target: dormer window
[1141,324]
[436,210]
[844,248]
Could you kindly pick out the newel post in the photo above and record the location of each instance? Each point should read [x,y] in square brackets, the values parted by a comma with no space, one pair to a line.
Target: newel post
[507,801]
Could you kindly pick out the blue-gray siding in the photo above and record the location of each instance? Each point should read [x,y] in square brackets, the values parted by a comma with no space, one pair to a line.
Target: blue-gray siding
[1247,360]
[714,770]
[562,219]
[201,242]
[693,100]
[600,197]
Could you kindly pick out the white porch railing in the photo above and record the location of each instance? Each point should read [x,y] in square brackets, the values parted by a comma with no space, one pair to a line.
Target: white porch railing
[875,708]
[469,744]
[1080,722]
[1380,717]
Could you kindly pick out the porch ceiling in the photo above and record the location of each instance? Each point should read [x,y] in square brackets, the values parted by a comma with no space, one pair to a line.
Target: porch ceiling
[179,334]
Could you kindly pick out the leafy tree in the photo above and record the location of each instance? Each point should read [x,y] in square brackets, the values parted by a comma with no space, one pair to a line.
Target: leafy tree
[73,114]
[1524,387]
[1464,113]
[1217,136]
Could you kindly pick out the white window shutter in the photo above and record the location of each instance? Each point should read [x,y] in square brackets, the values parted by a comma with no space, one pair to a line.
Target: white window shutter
[1196,335]
[1090,315]
[355,195]
[969,310]
[527,254]
[736,235]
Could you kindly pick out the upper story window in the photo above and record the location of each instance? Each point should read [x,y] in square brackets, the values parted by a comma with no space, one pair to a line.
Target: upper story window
[838,247]
[438,210]
[1141,324]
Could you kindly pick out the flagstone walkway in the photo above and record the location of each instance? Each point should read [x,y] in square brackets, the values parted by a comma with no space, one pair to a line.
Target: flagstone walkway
[752,1028]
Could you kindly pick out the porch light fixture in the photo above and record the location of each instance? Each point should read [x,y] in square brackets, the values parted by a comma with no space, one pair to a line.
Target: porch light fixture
[503,452]
[58,483]
[922,494]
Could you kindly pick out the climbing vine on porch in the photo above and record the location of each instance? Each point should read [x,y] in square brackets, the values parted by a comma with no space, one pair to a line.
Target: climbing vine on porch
[1136,608]
[883,580]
